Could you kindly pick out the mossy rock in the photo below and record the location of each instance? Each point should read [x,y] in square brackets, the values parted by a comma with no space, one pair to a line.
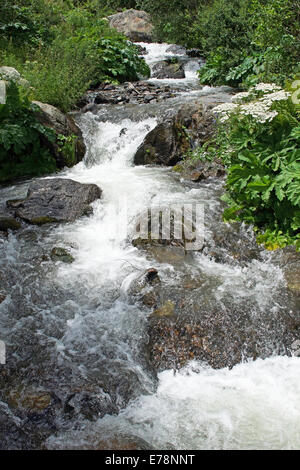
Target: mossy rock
[166,310]
[61,254]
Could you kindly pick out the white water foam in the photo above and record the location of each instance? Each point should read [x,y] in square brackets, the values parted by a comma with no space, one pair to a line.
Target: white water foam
[255,405]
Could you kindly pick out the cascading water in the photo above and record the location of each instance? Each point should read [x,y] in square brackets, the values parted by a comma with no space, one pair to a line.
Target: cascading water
[74,335]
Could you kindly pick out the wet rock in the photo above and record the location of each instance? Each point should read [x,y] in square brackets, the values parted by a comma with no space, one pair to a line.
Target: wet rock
[30,399]
[135,24]
[64,125]
[123,131]
[152,275]
[160,146]
[168,69]
[123,443]
[149,98]
[90,107]
[171,139]
[135,93]
[142,289]
[166,310]
[55,200]
[193,53]
[101,98]
[231,245]
[91,406]
[142,50]
[61,254]
[289,262]
[198,171]
[221,337]
[176,49]
[295,347]
[9,223]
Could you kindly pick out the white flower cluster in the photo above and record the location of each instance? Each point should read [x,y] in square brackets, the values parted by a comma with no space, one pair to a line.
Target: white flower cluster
[277,96]
[258,108]
[266,87]
[224,110]
[239,97]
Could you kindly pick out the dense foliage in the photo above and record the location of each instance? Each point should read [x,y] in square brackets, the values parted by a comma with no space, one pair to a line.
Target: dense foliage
[244,41]
[63,48]
[258,139]
[22,152]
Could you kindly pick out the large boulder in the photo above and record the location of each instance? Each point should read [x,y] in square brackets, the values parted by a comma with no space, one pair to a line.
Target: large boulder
[168,69]
[55,200]
[9,74]
[62,125]
[135,24]
[171,139]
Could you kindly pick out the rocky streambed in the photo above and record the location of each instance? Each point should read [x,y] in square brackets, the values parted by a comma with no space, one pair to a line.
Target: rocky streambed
[118,342]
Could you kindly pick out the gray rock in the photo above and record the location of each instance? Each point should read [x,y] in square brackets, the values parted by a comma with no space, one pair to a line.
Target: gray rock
[65,125]
[55,200]
[10,74]
[171,139]
[135,24]
[168,69]
[193,52]
[176,49]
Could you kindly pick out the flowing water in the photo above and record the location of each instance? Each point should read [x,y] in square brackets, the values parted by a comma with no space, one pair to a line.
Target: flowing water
[75,340]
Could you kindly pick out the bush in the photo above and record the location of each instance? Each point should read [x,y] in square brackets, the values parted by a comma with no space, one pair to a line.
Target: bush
[249,41]
[173,19]
[259,142]
[22,153]
[80,50]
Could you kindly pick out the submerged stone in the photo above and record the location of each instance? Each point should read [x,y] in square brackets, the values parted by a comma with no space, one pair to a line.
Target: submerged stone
[61,254]
[9,223]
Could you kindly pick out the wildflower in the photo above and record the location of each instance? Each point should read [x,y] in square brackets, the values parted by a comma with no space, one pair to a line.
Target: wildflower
[224,110]
[259,110]
[276,96]
[239,97]
[266,87]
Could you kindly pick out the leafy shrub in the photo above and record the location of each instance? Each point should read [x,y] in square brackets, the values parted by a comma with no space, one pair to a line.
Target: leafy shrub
[78,50]
[22,153]
[249,41]
[173,19]
[259,142]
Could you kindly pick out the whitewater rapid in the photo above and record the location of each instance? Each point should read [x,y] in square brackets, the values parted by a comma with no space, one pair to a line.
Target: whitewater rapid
[88,334]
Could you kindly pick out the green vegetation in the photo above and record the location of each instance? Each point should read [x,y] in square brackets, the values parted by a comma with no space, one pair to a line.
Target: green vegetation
[64,47]
[244,41]
[248,44]
[22,152]
[258,139]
